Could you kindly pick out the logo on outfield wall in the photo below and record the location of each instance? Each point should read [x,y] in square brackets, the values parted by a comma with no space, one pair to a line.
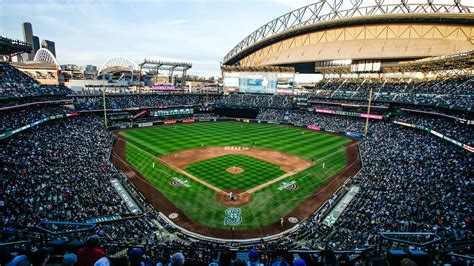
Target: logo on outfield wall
[179,182]
[233,216]
[288,185]
[235,148]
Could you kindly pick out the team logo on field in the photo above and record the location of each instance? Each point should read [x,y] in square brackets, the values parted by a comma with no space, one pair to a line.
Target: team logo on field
[179,182]
[288,185]
[235,148]
[233,216]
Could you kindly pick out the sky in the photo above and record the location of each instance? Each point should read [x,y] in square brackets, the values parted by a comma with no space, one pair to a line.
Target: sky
[91,31]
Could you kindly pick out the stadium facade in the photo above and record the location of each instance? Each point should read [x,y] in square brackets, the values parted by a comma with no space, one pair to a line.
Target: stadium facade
[363,37]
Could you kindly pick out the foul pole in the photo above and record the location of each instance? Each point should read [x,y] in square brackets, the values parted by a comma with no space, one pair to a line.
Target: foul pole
[105,107]
[368,112]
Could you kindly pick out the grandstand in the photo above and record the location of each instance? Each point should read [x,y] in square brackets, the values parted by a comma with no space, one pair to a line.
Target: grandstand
[379,151]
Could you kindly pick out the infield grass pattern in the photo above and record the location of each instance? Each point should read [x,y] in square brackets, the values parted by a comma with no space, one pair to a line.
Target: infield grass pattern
[213,171]
[269,204]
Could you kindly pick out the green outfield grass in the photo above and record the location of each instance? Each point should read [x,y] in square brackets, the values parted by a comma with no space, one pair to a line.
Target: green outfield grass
[198,201]
[256,171]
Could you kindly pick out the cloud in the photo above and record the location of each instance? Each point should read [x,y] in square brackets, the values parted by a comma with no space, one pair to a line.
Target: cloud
[294,4]
[176,22]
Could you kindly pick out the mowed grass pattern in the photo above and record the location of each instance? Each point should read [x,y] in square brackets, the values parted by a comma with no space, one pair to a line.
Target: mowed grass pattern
[214,171]
[269,204]
[301,142]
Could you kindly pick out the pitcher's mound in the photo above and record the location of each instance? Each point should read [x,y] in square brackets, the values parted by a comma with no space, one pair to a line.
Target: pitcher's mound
[240,197]
[235,170]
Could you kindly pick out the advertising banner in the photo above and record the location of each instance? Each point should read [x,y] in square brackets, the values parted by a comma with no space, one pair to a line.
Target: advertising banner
[316,128]
[191,120]
[326,111]
[371,116]
[163,87]
[147,124]
[168,122]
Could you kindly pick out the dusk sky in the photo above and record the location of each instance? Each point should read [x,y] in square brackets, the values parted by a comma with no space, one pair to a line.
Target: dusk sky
[91,31]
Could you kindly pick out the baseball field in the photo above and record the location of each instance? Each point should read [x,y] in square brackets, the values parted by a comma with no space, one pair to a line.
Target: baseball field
[230,175]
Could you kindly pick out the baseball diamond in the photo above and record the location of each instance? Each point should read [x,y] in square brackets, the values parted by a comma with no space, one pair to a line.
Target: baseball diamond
[203,153]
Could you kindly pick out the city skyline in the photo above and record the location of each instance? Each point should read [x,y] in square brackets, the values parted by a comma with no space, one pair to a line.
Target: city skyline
[86,32]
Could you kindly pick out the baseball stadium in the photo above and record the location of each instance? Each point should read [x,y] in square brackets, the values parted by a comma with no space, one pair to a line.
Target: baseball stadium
[137,162]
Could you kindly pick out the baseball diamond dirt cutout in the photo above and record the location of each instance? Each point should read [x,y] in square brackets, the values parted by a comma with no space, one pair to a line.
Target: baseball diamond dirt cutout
[290,164]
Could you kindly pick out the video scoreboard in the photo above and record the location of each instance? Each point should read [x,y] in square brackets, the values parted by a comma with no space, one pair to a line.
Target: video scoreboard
[259,82]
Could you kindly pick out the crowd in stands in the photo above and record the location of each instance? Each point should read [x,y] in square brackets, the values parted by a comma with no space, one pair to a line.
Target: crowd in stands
[411,180]
[14,83]
[60,171]
[454,92]
[259,100]
[20,117]
[149,100]
[300,117]
[455,130]
[154,100]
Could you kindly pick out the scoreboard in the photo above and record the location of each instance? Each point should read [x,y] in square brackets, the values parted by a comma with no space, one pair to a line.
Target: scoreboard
[259,82]
[172,112]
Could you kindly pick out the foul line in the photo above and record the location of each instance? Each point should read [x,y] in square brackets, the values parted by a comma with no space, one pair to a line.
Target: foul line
[175,168]
[179,170]
[257,188]
[252,190]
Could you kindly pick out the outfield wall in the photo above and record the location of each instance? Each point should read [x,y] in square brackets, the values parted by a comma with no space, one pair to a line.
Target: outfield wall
[244,120]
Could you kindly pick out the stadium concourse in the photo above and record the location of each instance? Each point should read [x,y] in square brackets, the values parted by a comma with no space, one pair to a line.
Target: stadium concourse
[58,170]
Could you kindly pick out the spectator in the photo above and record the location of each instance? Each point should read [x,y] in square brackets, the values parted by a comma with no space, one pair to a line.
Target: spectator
[69,259]
[177,259]
[253,258]
[299,262]
[91,253]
